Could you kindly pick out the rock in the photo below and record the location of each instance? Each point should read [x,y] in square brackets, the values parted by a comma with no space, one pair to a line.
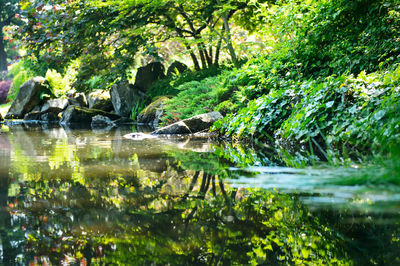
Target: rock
[100,100]
[177,128]
[77,99]
[34,115]
[147,75]
[101,121]
[190,125]
[50,117]
[152,114]
[176,68]
[123,121]
[37,108]
[124,97]
[74,114]
[54,106]
[28,97]
[202,122]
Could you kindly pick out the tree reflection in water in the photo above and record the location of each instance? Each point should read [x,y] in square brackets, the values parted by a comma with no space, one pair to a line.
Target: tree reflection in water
[107,204]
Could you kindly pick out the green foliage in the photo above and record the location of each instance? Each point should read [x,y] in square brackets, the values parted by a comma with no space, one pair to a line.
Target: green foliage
[8,11]
[169,86]
[334,112]
[20,74]
[195,97]
[322,38]
[137,109]
[59,84]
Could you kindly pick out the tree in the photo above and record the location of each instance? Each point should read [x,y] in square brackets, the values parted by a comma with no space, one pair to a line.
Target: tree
[107,35]
[198,25]
[8,11]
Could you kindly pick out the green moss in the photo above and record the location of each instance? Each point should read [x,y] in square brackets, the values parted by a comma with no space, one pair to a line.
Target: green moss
[151,109]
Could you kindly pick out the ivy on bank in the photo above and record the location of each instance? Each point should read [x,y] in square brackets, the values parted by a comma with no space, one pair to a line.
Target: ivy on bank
[335,112]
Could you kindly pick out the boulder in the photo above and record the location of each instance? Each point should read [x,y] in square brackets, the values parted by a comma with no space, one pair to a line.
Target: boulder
[124,97]
[50,117]
[123,121]
[55,106]
[74,114]
[102,121]
[176,68]
[100,100]
[190,125]
[28,97]
[147,75]
[152,114]
[202,122]
[34,115]
[176,128]
[37,108]
[77,99]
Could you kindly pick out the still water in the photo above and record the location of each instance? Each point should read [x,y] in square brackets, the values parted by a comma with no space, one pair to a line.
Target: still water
[84,197]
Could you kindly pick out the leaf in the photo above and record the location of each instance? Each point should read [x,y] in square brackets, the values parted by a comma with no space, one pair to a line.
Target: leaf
[329,104]
[379,115]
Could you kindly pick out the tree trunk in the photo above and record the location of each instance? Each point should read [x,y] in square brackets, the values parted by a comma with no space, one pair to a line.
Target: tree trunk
[229,41]
[187,46]
[202,57]
[3,55]
[195,61]
[207,55]
[217,51]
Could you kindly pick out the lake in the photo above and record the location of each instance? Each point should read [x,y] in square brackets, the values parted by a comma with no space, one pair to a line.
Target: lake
[91,197]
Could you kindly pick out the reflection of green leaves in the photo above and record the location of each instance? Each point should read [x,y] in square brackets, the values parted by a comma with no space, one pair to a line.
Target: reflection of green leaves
[123,216]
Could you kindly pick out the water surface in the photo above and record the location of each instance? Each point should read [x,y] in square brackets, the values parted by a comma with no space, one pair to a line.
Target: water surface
[84,197]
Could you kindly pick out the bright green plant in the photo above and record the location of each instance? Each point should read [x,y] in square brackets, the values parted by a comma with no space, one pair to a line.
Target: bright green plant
[137,109]
[195,97]
[170,85]
[59,84]
[20,75]
[335,112]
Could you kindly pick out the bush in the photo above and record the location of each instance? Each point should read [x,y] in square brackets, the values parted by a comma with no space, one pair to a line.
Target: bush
[195,97]
[4,88]
[170,85]
[20,74]
[59,84]
[339,111]
[321,38]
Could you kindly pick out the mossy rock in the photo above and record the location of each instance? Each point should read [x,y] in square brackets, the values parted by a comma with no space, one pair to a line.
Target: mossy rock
[100,100]
[153,112]
[75,114]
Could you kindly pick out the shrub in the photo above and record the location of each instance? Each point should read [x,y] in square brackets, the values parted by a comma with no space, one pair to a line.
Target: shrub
[195,97]
[4,88]
[20,75]
[59,84]
[339,111]
[170,85]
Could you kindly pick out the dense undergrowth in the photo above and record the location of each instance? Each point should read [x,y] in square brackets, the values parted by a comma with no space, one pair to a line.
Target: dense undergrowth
[359,111]
[330,83]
